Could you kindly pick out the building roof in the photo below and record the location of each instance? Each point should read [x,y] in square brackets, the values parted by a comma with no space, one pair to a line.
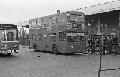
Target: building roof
[100,8]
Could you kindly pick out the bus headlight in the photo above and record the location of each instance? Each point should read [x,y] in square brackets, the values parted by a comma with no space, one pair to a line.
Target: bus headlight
[71,46]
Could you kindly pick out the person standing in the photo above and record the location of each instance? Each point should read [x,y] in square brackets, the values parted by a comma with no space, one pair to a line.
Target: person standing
[109,45]
[89,44]
[115,43]
[104,45]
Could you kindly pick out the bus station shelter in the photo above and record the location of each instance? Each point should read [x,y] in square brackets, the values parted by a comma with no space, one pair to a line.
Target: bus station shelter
[106,15]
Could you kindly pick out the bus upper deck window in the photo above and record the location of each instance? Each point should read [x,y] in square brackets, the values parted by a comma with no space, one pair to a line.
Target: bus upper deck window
[80,18]
[72,18]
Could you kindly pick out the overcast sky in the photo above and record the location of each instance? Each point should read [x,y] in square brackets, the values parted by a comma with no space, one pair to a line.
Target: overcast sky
[14,11]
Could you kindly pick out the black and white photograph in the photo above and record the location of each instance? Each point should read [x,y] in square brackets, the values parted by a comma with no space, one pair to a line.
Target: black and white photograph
[60,38]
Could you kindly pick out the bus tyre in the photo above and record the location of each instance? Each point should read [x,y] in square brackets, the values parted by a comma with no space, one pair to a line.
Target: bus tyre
[55,49]
[9,54]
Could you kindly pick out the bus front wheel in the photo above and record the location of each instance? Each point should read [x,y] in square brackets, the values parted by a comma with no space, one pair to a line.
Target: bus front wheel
[55,49]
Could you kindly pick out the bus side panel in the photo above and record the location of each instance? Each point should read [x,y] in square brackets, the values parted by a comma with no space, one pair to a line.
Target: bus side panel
[76,47]
[49,44]
[40,44]
[62,47]
[50,41]
[40,41]
[37,40]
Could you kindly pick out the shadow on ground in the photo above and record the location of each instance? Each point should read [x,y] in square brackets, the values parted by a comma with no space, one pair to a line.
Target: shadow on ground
[5,55]
[65,54]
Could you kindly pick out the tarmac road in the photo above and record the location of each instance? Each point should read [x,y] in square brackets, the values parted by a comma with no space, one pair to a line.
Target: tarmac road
[27,63]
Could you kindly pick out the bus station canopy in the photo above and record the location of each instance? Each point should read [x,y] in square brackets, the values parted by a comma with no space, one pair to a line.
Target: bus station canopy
[100,8]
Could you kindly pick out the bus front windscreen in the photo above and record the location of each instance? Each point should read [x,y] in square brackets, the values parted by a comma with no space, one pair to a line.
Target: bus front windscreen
[75,37]
[8,35]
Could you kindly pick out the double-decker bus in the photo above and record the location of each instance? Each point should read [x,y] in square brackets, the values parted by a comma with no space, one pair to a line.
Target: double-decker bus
[62,32]
[8,39]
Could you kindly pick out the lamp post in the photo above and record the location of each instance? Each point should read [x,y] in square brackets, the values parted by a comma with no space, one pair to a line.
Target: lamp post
[100,57]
